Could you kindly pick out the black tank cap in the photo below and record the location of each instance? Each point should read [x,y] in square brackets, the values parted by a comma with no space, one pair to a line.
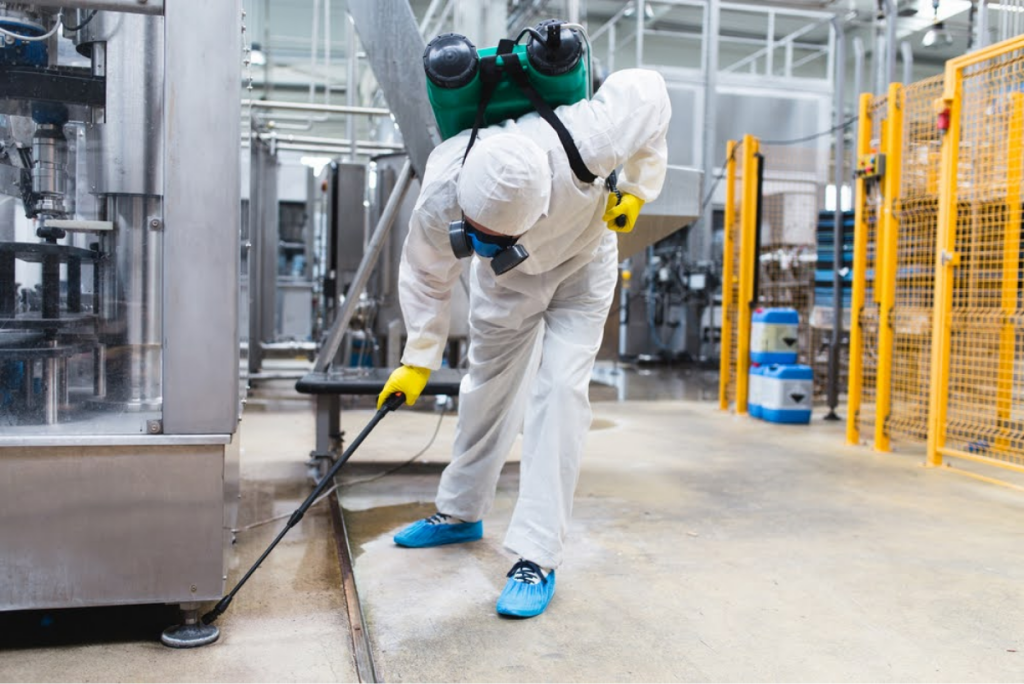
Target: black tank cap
[559,53]
[450,60]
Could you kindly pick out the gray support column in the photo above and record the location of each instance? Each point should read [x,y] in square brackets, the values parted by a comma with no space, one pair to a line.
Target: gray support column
[202,196]
[701,238]
[389,34]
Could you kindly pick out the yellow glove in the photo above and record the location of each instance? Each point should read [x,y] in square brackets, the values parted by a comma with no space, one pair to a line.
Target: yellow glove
[620,215]
[409,380]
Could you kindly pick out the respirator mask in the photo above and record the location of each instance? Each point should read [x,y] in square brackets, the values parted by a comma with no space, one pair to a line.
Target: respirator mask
[502,250]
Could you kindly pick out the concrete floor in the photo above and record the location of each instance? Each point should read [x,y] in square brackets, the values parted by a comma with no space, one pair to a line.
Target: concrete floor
[711,548]
[705,547]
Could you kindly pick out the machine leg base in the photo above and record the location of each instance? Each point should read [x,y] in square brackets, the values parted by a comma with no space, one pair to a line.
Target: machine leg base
[191,633]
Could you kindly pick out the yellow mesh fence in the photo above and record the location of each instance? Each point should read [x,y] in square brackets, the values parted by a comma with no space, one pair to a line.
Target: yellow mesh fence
[731,279]
[867,317]
[917,216]
[793,193]
[985,414]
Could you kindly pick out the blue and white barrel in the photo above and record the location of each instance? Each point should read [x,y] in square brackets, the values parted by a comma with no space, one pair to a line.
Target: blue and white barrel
[774,336]
[786,393]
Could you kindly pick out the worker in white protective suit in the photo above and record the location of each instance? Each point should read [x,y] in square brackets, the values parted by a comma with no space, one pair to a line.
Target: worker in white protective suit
[516,187]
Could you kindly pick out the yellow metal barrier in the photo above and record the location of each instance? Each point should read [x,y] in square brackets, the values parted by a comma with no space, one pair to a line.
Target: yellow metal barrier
[885,268]
[978,329]
[916,208]
[860,260]
[748,258]
[730,284]
[869,255]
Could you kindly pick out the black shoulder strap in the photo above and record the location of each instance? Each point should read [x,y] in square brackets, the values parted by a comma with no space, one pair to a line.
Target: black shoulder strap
[515,72]
[489,78]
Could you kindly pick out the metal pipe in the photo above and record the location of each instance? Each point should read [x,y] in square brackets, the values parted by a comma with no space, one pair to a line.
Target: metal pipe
[131,6]
[99,371]
[327,53]
[907,53]
[641,10]
[304,107]
[982,25]
[50,403]
[328,150]
[572,11]
[858,66]
[700,242]
[890,43]
[429,15]
[446,14]
[335,142]
[314,36]
[366,266]
[350,90]
[837,227]
[611,48]
[63,384]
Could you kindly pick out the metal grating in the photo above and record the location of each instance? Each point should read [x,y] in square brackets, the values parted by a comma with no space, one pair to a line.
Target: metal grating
[985,414]
[732,279]
[917,217]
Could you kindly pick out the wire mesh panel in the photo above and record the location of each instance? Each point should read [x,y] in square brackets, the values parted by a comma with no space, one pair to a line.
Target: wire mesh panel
[867,317]
[793,194]
[917,213]
[730,276]
[985,411]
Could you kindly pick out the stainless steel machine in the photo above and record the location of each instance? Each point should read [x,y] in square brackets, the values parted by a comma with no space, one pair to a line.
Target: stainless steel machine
[119,300]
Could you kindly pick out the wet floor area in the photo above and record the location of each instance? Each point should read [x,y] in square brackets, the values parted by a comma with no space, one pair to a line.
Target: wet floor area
[287,624]
[613,381]
[704,547]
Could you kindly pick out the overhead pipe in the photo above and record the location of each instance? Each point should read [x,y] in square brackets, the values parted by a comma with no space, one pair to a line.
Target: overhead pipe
[130,6]
[335,142]
[305,107]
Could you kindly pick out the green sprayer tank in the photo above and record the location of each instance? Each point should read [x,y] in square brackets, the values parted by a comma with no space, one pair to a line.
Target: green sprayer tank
[552,59]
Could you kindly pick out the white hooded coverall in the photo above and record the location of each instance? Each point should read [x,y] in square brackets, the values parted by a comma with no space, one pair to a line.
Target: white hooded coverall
[562,292]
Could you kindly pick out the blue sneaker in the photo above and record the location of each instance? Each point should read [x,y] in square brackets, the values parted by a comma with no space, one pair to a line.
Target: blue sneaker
[527,592]
[435,531]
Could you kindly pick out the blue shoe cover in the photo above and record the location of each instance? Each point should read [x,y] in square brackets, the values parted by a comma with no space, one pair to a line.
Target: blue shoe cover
[433,531]
[527,592]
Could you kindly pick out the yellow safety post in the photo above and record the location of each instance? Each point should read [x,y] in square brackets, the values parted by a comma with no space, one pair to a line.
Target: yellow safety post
[885,270]
[728,277]
[860,267]
[1011,266]
[945,260]
[748,262]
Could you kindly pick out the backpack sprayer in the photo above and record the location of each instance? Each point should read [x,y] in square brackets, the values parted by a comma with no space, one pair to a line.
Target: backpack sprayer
[470,89]
[462,80]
